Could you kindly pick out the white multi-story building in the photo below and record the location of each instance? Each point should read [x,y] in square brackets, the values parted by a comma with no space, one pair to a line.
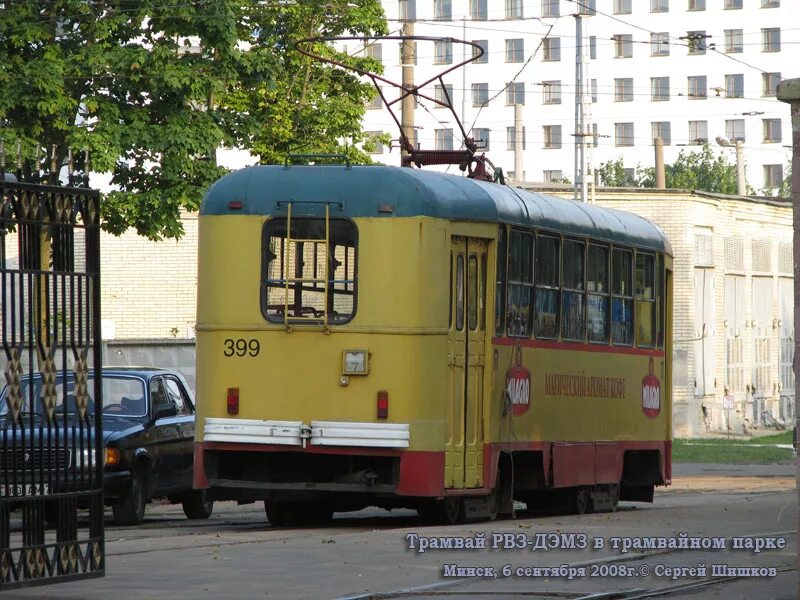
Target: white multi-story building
[687,71]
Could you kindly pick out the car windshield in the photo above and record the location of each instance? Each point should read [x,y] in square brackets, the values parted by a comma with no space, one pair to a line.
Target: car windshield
[122,396]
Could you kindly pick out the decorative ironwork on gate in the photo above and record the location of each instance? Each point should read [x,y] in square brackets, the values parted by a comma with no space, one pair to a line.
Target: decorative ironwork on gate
[51,452]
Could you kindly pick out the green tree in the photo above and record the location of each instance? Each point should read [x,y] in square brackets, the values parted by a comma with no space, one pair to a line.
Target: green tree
[613,174]
[151,88]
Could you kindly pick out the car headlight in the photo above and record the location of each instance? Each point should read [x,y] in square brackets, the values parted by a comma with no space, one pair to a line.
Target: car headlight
[110,456]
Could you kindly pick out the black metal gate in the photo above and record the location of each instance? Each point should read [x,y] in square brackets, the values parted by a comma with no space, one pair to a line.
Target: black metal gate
[51,450]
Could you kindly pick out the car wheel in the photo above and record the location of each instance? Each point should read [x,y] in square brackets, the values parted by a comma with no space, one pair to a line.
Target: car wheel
[279,514]
[130,510]
[196,505]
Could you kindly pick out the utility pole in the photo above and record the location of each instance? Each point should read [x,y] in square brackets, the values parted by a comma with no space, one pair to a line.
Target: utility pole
[740,181]
[789,91]
[661,176]
[407,104]
[581,183]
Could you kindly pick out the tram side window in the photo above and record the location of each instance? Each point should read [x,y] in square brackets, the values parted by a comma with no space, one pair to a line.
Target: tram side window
[597,286]
[573,296]
[500,289]
[645,299]
[306,264]
[547,283]
[520,283]
[622,297]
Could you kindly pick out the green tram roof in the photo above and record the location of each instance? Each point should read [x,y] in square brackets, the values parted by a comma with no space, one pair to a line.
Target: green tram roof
[380,191]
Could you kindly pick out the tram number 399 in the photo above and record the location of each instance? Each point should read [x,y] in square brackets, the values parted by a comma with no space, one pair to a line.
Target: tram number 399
[241,347]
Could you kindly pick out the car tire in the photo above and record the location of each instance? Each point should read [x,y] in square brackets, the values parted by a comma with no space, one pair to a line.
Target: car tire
[130,509]
[196,505]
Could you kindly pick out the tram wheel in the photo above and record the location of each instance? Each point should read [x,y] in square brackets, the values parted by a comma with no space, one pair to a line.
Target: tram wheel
[582,501]
[613,491]
[314,513]
[448,511]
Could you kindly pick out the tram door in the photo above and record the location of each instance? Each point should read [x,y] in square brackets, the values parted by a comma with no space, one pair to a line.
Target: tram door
[466,360]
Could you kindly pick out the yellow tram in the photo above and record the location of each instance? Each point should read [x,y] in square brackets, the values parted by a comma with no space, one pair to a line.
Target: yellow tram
[374,335]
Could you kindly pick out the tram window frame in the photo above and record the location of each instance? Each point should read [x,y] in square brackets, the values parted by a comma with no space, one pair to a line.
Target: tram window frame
[482,292]
[573,290]
[459,291]
[622,298]
[598,302]
[450,303]
[342,234]
[547,288]
[645,299]
[519,319]
[472,291]
[500,279]
[661,299]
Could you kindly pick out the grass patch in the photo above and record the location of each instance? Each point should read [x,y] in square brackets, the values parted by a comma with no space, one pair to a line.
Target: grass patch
[730,452]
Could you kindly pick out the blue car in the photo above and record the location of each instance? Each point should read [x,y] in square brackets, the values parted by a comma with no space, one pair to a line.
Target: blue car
[148,439]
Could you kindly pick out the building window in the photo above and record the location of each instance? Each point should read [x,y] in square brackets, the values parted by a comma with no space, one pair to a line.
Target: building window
[413,51]
[573,295]
[733,41]
[554,176]
[773,176]
[515,50]
[550,8]
[770,3]
[552,136]
[734,86]
[520,284]
[513,9]
[443,10]
[552,92]
[374,51]
[663,130]
[552,49]
[659,6]
[597,275]
[442,52]
[592,47]
[484,58]
[733,4]
[515,93]
[481,137]
[659,89]
[443,94]
[769,84]
[698,87]
[477,10]
[480,94]
[698,132]
[376,101]
[696,42]
[623,89]
[771,39]
[443,139]
[545,296]
[734,130]
[622,297]
[623,134]
[697,4]
[622,7]
[659,44]
[408,10]
[587,7]
[595,135]
[772,130]
[623,45]
[511,133]
[371,143]
[593,86]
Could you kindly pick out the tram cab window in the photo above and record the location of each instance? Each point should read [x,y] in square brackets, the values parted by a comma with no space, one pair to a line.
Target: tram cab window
[520,284]
[573,296]
[597,287]
[547,286]
[622,297]
[645,299]
[500,288]
[308,263]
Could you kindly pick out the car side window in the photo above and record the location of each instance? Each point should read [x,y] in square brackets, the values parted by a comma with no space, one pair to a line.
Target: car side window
[158,396]
[178,396]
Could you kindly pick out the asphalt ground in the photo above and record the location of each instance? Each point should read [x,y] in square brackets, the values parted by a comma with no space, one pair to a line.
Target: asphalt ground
[236,554]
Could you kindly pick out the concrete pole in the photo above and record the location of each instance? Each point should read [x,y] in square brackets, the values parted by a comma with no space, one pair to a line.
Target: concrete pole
[661,174]
[789,91]
[741,188]
[518,139]
[407,104]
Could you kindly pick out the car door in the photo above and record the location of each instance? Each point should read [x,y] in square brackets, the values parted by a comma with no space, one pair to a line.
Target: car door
[185,418]
[165,437]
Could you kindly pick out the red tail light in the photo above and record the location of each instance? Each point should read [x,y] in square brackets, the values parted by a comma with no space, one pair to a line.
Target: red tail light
[233,401]
[383,404]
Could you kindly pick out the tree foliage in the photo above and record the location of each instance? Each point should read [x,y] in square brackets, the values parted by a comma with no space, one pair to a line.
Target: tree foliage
[151,88]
